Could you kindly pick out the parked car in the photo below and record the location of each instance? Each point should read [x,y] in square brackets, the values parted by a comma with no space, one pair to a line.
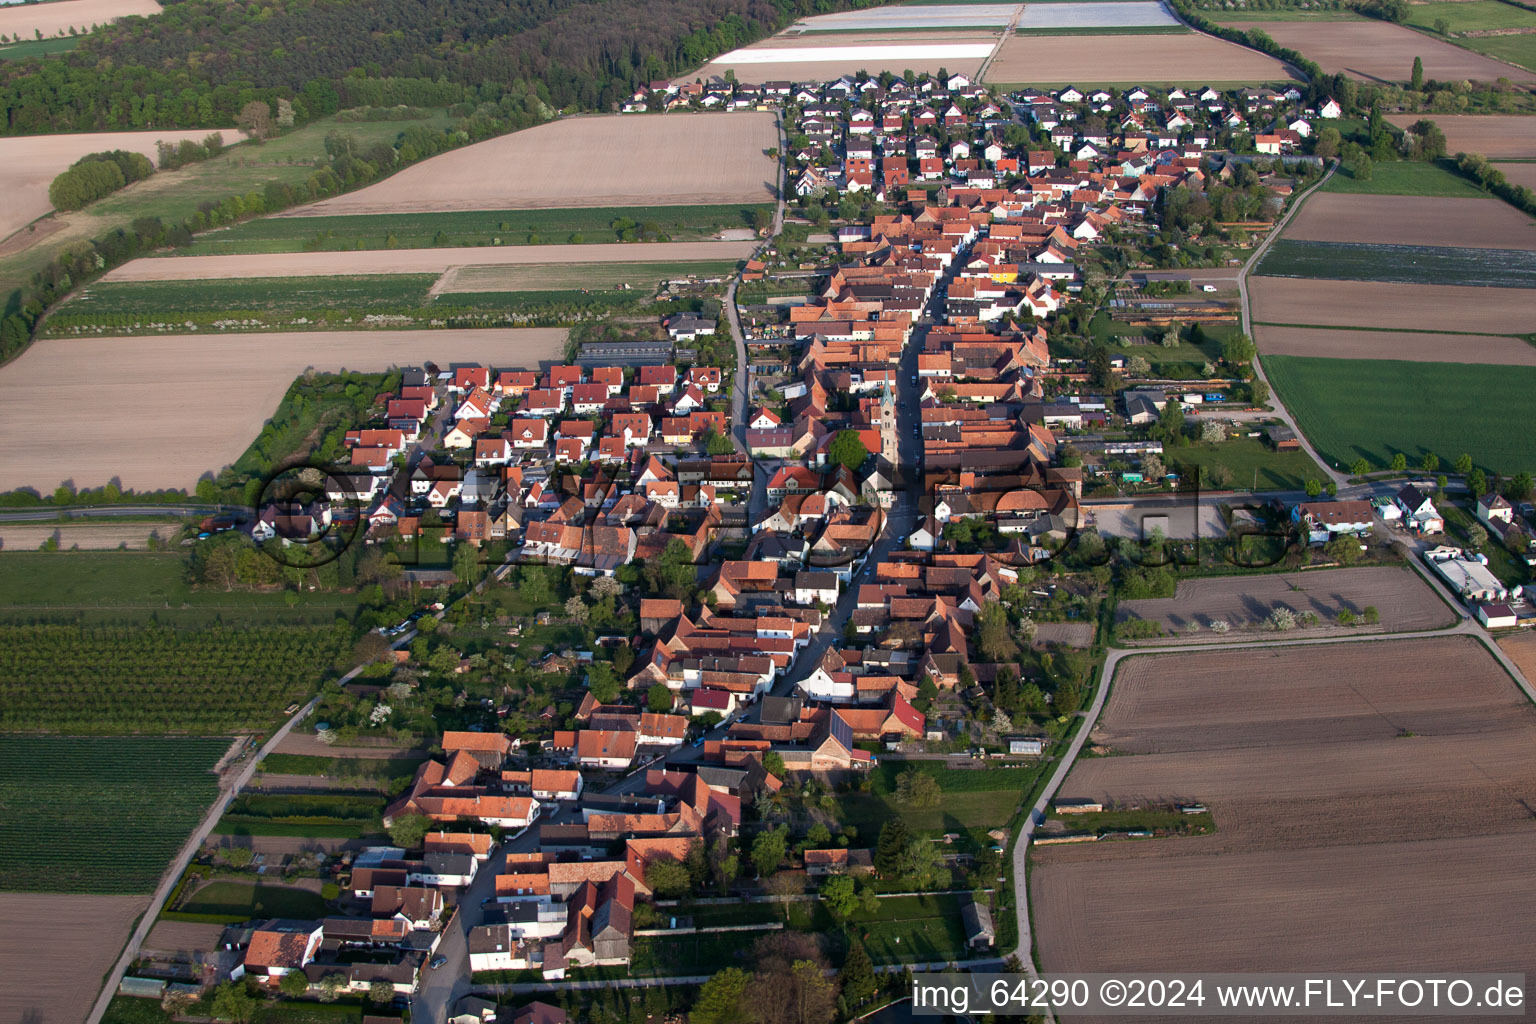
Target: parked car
[437,962]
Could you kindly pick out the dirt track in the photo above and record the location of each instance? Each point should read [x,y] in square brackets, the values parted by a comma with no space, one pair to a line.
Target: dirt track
[55,949]
[1495,136]
[1413,220]
[418,261]
[1244,602]
[56,19]
[1341,777]
[1414,348]
[198,401]
[1383,52]
[29,163]
[1413,307]
[622,160]
[1090,59]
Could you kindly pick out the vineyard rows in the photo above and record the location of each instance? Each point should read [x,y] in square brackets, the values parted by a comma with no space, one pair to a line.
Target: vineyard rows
[84,680]
[99,814]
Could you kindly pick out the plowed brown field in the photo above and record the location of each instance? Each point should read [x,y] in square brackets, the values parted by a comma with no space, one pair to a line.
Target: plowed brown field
[198,401]
[1412,307]
[1495,136]
[1413,347]
[1341,778]
[1413,220]
[1244,602]
[55,949]
[1383,52]
[627,160]
[1092,59]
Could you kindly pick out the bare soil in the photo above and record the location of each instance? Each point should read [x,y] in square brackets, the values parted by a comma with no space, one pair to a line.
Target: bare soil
[1383,52]
[1089,59]
[1414,307]
[1414,348]
[1520,648]
[56,948]
[1520,174]
[621,160]
[1401,598]
[29,163]
[1413,220]
[421,261]
[56,19]
[198,401]
[1495,136]
[1073,634]
[1341,777]
[86,537]
[183,939]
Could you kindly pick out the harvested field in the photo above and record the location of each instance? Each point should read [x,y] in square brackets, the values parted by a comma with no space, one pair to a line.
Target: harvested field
[1340,776]
[86,537]
[38,932]
[1096,14]
[1496,136]
[24,21]
[204,397]
[419,261]
[1410,307]
[1245,602]
[1382,52]
[1520,174]
[1094,59]
[1342,343]
[1072,634]
[628,160]
[1413,220]
[30,163]
[942,16]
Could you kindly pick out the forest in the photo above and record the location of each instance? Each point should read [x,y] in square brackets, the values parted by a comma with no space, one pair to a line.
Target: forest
[199,62]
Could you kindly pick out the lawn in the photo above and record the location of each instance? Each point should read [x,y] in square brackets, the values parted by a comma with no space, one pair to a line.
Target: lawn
[1517,49]
[974,800]
[243,901]
[906,929]
[38,48]
[99,815]
[534,277]
[471,228]
[388,774]
[1408,264]
[1250,463]
[1375,408]
[320,815]
[1405,178]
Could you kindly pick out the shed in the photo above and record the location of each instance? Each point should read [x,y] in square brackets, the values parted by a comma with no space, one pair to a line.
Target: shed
[1032,747]
[977,920]
[1496,616]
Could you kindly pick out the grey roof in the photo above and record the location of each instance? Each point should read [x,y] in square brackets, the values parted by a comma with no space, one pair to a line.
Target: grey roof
[780,710]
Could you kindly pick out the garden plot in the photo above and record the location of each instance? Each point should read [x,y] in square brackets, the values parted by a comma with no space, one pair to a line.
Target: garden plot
[1108,14]
[1410,346]
[1413,220]
[620,160]
[202,399]
[940,16]
[1245,603]
[1495,136]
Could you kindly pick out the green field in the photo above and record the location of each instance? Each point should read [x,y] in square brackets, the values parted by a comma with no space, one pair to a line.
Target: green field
[100,815]
[320,815]
[1408,264]
[1470,16]
[150,678]
[255,295]
[547,276]
[239,901]
[99,587]
[390,774]
[974,801]
[1354,408]
[471,228]
[1405,178]
[38,48]
[1250,464]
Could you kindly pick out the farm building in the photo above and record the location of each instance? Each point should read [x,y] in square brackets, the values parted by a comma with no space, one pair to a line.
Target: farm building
[1496,616]
[1327,519]
[1471,581]
[1284,439]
